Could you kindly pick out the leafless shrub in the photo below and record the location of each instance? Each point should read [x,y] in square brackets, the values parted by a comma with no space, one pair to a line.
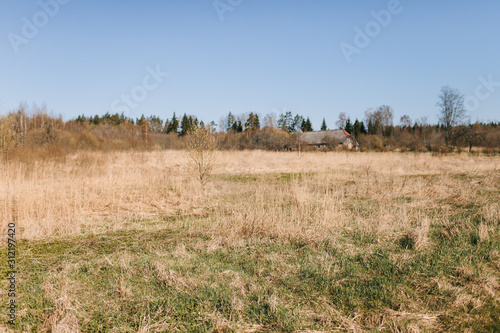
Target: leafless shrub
[201,147]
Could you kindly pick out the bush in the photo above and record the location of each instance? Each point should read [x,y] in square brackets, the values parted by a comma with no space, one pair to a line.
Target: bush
[87,140]
[273,139]
[371,142]
[201,146]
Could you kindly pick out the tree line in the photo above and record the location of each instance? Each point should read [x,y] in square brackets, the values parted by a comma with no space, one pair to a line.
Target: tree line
[21,130]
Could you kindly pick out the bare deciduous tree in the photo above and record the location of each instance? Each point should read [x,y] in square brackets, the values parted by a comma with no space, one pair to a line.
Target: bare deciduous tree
[379,120]
[270,120]
[453,112]
[405,121]
[341,122]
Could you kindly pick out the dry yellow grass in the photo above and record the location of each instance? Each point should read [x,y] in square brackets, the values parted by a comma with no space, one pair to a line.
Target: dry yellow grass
[251,194]
[344,241]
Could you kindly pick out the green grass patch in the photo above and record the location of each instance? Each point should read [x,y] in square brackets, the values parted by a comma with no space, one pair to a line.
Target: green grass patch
[178,282]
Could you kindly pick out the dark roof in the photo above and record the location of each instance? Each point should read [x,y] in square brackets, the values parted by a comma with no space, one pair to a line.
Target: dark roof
[318,137]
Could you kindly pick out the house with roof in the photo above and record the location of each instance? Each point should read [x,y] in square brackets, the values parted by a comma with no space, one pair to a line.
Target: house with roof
[323,139]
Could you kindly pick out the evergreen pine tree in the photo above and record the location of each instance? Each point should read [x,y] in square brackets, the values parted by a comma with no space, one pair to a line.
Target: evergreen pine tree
[185,124]
[285,121]
[234,127]
[213,126]
[323,125]
[173,125]
[256,123]
[306,125]
[140,121]
[230,122]
[362,128]
[249,122]
[96,120]
[252,122]
[356,129]
[348,126]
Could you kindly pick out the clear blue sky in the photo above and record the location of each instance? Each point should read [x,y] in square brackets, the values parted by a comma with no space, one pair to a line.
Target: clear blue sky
[264,56]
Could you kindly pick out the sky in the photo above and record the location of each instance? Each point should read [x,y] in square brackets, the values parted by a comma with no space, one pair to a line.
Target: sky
[206,58]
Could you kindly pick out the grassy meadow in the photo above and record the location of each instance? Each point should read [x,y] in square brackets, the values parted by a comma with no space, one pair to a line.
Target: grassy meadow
[274,242]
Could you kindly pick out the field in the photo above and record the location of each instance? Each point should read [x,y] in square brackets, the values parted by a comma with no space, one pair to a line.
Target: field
[274,242]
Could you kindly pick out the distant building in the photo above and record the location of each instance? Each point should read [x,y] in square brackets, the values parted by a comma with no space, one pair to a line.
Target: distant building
[323,139]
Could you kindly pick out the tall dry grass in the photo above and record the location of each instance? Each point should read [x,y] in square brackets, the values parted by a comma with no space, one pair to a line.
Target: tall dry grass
[94,192]
[309,198]
[319,196]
